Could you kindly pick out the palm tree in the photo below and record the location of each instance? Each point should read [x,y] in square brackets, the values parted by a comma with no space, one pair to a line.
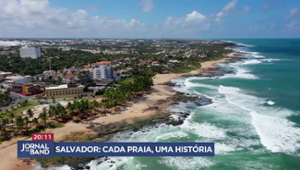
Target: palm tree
[45,109]
[29,113]
[94,104]
[11,115]
[43,116]
[26,122]
[3,123]
[19,123]
[35,121]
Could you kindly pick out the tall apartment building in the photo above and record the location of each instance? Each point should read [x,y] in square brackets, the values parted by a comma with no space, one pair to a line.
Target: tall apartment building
[32,52]
[103,72]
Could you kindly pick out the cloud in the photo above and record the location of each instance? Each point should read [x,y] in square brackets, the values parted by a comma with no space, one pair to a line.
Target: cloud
[269,5]
[265,6]
[192,23]
[293,26]
[246,9]
[293,12]
[190,19]
[147,5]
[195,17]
[93,7]
[226,9]
[36,18]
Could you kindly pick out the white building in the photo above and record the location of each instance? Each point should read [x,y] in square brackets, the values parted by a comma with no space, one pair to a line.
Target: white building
[32,52]
[103,72]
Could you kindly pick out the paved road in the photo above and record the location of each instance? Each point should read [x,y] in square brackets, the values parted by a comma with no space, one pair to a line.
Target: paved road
[16,100]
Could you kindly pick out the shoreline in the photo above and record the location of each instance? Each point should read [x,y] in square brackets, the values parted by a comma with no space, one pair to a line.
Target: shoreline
[134,109]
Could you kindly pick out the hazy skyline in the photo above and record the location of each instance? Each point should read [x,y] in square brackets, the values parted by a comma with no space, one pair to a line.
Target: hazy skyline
[150,19]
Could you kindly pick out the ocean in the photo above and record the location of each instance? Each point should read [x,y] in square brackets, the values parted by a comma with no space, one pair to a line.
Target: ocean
[254,117]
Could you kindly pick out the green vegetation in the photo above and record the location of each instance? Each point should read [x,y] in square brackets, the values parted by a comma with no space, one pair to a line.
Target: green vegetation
[17,111]
[59,60]
[126,91]
[29,105]
[65,59]
[5,98]
[54,125]
[53,118]
[126,81]
[185,69]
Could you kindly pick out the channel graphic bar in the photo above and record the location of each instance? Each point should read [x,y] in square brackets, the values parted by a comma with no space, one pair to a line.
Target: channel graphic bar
[35,149]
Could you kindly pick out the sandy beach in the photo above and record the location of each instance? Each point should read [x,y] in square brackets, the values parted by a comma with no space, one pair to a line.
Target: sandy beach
[8,149]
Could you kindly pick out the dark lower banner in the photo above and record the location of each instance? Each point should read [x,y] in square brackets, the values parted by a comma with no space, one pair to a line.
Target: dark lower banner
[49,149]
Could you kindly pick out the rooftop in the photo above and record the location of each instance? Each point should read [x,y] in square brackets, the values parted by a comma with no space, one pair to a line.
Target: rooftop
[68,77]
[14,77]
[102,63]
[64,86]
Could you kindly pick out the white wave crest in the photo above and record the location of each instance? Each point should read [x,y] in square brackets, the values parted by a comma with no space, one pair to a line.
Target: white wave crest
[270,124]
[247,62]
[189,84]
[177,134]
[270,102]
[271,59]
[184,163]
[205,130]
[240,73]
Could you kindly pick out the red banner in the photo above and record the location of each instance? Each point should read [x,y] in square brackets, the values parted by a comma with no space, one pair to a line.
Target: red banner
[42,137]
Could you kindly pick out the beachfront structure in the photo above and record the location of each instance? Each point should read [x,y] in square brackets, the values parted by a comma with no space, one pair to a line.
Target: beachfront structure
[16,82]
[3,75]
[66,91]
[31,52]
[103,72]
[29,89]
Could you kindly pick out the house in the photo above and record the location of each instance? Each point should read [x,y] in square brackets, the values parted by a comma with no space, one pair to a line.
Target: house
[155,63]
[68,79]
[116,61]
[73,70]
[55,77]
[172,62]
[143,62]
[49,72]
[3,75]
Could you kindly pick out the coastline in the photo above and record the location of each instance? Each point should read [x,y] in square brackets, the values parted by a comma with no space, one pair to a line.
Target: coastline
[134,109]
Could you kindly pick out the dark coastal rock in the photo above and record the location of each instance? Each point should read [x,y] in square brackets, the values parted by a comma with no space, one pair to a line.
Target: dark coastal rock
[112,128]
[182,97]
[168,84]
[151,108]
[161,101]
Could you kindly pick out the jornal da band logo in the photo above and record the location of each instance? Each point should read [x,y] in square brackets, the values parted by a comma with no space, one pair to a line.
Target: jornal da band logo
[36,149]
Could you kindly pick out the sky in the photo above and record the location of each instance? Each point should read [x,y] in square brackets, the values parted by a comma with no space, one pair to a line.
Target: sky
[200,19]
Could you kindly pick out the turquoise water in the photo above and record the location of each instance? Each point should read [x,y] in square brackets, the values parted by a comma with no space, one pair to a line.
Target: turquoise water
[255,112]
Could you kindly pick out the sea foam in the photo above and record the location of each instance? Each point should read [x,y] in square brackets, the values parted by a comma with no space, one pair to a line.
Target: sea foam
[272,128]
